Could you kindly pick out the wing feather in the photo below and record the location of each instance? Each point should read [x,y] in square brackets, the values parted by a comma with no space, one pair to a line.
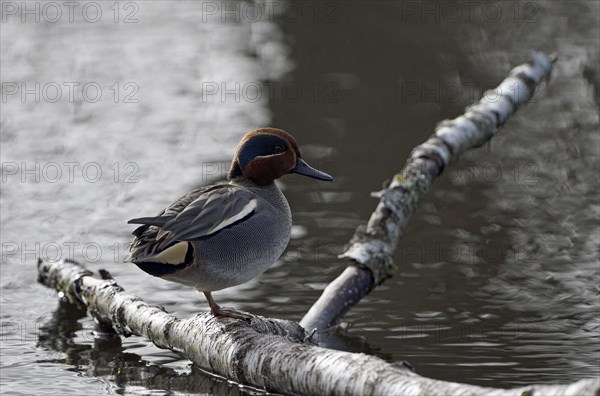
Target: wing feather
[196,216]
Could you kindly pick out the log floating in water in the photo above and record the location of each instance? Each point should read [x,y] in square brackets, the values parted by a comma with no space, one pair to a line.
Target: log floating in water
[273,354]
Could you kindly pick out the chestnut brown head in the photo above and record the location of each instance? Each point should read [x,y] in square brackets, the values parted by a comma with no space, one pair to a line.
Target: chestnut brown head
[266,154]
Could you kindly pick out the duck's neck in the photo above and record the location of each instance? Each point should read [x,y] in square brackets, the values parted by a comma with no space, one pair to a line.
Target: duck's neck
[246,182]
[269,192]
[234,170]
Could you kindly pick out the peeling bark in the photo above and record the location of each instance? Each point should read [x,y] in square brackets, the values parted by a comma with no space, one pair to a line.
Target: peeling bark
[272,354]
[372,247]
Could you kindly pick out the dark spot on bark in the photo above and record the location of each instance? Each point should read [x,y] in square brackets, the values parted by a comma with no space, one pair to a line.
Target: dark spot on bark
[104,274]
[167,328]
[497,115]
[265,370]
[240,356]
[119,322]
[409,366]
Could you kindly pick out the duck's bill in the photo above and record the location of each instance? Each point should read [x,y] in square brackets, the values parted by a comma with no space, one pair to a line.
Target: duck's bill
[302,168]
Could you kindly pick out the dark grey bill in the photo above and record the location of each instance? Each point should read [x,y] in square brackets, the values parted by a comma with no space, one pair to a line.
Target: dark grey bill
[302,168]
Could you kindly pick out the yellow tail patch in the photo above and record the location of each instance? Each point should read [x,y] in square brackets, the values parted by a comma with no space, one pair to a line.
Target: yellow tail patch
[174,255]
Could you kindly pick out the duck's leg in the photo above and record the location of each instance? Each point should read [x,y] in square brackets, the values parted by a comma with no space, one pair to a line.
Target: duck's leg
[216,310]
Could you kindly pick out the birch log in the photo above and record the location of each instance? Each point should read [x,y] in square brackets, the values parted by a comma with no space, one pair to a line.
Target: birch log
[372,248]
[272,354]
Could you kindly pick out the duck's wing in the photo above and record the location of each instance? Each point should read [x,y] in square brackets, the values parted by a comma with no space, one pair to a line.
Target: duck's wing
[196,216]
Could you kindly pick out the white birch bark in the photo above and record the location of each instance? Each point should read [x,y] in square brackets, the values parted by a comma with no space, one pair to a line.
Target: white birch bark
[272,354]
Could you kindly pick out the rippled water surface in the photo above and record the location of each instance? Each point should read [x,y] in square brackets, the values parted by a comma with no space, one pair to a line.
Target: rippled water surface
[498,272]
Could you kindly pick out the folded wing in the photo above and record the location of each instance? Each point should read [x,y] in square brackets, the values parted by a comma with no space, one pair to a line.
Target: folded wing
[196,216]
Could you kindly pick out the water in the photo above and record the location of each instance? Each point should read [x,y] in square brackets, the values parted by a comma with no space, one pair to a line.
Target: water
[498,274]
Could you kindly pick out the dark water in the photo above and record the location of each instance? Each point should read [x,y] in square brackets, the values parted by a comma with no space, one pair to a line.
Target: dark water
[498,272]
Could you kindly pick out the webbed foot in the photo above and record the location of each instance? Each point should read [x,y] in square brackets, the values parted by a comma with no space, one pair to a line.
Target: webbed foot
[216,310]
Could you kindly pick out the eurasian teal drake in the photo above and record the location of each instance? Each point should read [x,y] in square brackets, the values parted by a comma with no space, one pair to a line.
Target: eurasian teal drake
[225,234]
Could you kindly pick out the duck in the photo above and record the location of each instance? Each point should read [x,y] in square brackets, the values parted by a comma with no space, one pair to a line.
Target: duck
[225,234]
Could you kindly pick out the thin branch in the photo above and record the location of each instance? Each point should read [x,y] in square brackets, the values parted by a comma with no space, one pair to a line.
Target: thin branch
[372,248]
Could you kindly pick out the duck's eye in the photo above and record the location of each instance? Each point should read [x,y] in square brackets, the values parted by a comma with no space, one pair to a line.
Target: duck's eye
[278,149]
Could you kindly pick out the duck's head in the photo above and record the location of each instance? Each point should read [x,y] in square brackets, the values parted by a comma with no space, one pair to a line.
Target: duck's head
[266,154]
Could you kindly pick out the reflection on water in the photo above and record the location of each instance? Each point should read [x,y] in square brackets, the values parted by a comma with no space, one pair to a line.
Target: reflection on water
[497,280]
[106,358]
